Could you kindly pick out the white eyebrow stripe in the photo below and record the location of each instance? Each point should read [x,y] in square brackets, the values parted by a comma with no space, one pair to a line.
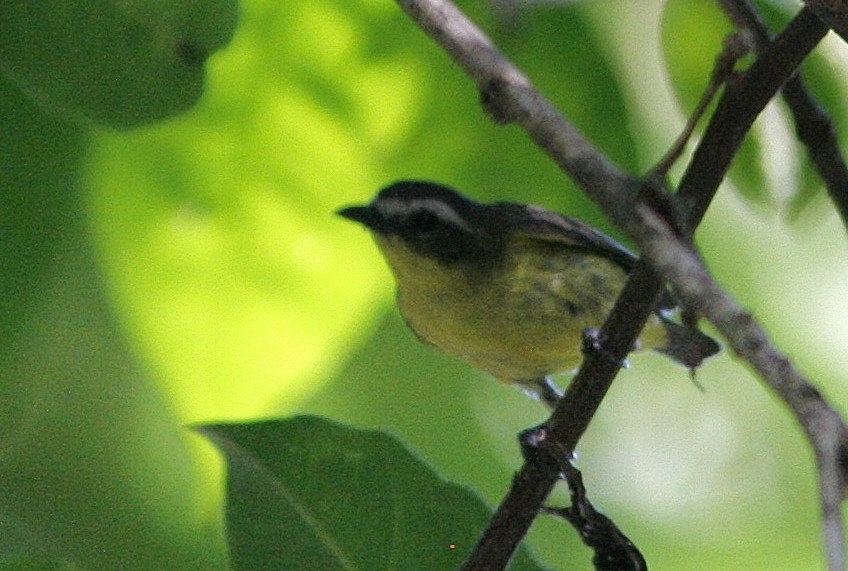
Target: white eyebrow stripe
[394,208]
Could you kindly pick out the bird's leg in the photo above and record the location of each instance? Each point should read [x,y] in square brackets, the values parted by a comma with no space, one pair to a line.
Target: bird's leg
[543,390]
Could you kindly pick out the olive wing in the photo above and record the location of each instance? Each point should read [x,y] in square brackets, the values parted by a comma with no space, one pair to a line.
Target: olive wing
[540,224]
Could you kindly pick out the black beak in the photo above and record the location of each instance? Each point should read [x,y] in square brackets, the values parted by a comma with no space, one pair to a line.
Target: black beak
[365,215]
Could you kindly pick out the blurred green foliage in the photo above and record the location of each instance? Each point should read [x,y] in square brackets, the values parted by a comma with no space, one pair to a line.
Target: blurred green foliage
[191,270]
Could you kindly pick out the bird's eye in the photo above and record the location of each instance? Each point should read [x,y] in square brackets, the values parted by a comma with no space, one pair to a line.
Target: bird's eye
[423,221]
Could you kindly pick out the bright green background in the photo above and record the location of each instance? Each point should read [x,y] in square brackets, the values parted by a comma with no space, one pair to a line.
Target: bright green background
[192,271]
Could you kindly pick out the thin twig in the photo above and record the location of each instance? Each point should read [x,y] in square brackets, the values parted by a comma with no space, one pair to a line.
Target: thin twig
[735,47]
[738,107]
[812,123]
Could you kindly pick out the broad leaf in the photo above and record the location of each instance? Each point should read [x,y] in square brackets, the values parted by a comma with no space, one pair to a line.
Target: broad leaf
[120,63]
[310,494]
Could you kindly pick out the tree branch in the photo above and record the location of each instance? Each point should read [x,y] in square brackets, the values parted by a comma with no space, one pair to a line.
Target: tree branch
[679,264]
[509,96]
[739,106]
[833,14]
[613,550]
[812,123]
[731,121]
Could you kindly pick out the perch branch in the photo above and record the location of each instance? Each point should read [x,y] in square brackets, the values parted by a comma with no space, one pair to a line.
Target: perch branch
[680,265]
[510,97]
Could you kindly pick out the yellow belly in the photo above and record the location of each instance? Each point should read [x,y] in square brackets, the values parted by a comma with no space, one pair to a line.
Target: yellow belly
[524,321]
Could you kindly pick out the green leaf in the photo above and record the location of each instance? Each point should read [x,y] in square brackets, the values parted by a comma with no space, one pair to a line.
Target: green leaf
[35,564]
[122,63]
[310,494]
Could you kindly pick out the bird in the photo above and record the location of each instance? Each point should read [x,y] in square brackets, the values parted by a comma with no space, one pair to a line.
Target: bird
[509,288]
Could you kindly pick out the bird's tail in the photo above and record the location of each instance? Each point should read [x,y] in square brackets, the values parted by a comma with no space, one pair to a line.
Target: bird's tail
[687,345]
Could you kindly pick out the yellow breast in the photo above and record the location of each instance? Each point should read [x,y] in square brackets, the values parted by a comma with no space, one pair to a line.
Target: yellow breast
[520,320]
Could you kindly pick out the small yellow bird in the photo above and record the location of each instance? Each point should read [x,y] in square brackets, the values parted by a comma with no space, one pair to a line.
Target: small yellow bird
[509,288]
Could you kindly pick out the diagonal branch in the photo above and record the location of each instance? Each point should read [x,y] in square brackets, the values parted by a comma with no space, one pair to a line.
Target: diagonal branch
[833,14]
[812,123]
[510,97]
[740,105]
[680,265]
